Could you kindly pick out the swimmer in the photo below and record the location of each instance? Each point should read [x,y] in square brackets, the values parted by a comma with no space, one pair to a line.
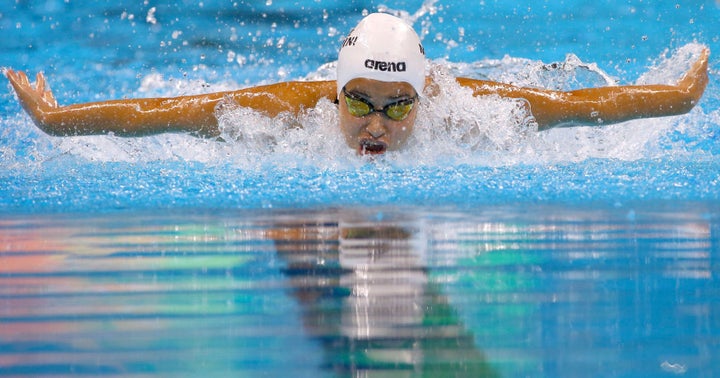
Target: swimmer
[380,79]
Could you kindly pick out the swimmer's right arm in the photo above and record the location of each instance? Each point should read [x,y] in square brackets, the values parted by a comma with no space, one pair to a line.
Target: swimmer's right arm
[137,117]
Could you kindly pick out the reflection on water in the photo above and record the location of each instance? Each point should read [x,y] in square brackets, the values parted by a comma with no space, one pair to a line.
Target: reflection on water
[366,294]
[497,291]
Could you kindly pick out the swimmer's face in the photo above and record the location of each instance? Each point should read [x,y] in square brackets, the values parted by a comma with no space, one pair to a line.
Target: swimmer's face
[376,132]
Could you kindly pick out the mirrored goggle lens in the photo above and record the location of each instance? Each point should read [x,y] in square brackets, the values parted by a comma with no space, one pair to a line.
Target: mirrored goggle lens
[356,107]
[397,111]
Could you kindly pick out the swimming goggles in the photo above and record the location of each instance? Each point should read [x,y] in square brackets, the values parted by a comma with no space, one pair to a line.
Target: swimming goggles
[396,111]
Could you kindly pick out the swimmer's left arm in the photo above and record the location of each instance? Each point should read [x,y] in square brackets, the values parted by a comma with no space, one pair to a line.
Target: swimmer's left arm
[604,105]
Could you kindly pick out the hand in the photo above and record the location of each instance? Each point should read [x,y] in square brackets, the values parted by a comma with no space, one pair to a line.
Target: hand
[694,81]
[36,100]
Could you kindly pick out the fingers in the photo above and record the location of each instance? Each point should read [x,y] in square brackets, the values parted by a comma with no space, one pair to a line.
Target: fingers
[20,79]
[46,92]
[696,77]
[40,82]
[40,88]
[702,62]
[31,97]
[9,73]
[17,79]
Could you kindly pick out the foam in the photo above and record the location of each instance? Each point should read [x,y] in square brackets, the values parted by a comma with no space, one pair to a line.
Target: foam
[669,67]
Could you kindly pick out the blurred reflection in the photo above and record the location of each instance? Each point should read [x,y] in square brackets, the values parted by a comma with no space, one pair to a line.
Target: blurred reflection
[366,295]
[551,292]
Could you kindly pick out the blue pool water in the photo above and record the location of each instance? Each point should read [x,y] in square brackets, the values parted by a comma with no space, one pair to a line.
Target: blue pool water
[483,249]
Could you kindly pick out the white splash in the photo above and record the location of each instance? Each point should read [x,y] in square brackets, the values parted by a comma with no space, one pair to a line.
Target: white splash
[150,17]
[670,67]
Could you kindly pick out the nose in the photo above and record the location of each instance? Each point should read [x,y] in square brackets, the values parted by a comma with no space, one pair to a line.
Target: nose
[376,126]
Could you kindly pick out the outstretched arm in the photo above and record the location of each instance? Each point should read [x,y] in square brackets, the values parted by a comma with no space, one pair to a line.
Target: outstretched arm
[604,105]
[137,117]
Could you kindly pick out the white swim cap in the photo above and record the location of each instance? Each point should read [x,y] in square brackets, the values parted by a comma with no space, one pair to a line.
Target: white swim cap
[384,48]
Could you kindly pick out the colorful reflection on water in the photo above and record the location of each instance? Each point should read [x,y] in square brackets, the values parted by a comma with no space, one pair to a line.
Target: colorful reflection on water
[496,292]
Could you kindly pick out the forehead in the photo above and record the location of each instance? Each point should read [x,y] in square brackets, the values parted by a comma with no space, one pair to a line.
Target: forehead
[376,88]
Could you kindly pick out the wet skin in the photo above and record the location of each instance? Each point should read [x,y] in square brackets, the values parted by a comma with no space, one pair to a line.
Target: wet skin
[375,133]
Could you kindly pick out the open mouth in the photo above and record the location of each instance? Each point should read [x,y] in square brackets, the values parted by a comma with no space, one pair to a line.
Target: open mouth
[372,147]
